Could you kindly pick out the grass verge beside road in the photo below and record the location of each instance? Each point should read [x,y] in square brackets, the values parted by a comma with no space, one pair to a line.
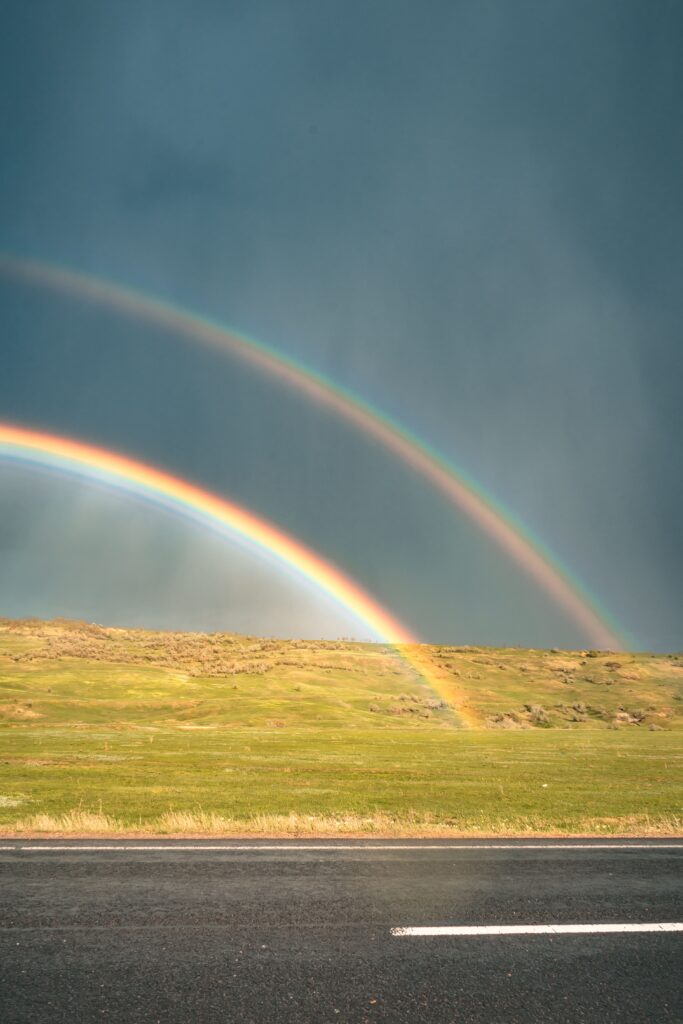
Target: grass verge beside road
[399,782]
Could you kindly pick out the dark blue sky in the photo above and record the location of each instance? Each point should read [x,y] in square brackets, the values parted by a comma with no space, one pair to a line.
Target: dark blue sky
[469,213]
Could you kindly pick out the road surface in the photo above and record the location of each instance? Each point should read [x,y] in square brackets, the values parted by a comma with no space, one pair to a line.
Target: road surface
[292,932]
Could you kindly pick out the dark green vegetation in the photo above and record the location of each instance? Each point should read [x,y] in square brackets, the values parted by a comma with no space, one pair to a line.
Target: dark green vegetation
[110,730]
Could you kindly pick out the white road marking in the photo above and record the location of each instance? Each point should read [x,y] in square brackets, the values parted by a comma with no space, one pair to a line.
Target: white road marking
[539,929]
[361,845]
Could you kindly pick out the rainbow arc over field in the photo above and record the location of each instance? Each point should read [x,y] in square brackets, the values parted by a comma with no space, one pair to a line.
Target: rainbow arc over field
[75,458]
[497,522]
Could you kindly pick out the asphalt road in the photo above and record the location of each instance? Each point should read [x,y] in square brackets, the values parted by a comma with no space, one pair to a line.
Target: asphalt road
[302,932]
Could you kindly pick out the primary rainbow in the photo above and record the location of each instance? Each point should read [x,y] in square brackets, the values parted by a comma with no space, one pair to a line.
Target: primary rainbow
[462,492]
[74,457]
[21,445]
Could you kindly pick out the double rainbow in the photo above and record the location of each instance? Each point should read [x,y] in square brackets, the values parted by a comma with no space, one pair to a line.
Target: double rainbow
[462,492]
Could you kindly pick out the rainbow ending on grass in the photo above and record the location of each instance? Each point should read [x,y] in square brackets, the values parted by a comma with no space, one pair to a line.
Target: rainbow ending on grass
[492,518]
[67,456]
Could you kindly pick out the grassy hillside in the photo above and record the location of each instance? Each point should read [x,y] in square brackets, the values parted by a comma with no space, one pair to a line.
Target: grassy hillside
[110,729]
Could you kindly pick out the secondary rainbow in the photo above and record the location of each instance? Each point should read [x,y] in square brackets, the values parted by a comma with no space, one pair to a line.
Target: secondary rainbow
[462,492]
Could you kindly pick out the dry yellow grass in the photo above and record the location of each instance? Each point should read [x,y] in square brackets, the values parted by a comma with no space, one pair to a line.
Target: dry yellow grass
[409,824]
[75,822]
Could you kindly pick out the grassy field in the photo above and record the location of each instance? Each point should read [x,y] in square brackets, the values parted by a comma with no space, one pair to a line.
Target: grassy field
[112,731]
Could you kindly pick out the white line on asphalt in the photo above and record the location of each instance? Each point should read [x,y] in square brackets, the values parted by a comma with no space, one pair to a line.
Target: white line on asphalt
[319,847]
[538,929]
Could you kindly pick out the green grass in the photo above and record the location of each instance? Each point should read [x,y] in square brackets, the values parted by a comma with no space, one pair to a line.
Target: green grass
[110,731]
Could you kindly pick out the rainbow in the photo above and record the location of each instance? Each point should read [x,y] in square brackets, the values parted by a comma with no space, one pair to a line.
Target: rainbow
[498,523]
[75,458]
